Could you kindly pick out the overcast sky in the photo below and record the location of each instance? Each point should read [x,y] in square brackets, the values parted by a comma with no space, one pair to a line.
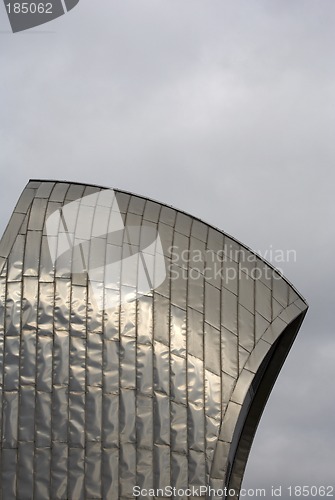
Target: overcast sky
[225,109]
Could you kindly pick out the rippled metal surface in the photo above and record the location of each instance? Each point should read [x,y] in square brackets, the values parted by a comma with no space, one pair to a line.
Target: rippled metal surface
[104,388]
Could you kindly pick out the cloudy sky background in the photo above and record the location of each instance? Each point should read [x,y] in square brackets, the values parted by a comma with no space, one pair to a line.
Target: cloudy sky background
[225,109]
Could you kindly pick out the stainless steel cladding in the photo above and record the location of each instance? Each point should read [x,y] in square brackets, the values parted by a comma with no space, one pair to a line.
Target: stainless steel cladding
[138,346]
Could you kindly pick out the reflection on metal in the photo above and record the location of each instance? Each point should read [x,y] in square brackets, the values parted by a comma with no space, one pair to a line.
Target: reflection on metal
[147,371]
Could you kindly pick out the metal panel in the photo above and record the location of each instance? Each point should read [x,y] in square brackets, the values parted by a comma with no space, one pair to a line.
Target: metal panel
[106,385]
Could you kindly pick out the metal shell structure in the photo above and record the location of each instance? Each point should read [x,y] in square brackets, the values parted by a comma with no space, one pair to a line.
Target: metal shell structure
[138,347]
